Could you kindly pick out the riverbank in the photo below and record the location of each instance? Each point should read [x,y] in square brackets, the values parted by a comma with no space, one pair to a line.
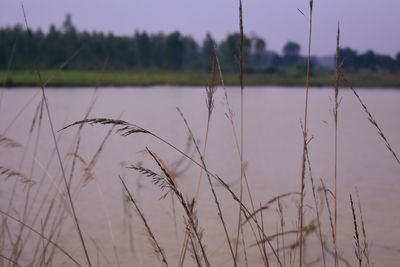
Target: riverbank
[180,78]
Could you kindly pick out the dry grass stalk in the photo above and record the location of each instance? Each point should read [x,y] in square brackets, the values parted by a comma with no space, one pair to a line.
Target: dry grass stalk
[175,222]
[39,127]
[60,219]
[125,129]
[282,224]
[37,121]
[335,116]
[195,249]
[24,179]
[47,244]
[18,251]
[89,174]
[41,235]
[365,250]
[211,187]
[44,225]
[20,112]
[357,248]
[99,249]
[268,203]
[372,120]
[326,191]
[159,250]
[35,116]
[244,244]
[127,220]
[101,194]
[8,142]
[241,120]
[77,145]
[316,209]
[168,182]
[89,168]
[229,114]
[304,142]
[10,260]
[42,180]
[247,213]
[164,167]
[210,90]
[97,154]
[306,229]
[56,145]
[264,251]
[340,258]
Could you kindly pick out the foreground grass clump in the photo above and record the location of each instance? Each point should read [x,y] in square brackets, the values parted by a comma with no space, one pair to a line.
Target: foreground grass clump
[33,234]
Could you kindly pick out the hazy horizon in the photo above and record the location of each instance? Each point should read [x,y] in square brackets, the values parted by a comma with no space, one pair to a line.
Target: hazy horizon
[364,26]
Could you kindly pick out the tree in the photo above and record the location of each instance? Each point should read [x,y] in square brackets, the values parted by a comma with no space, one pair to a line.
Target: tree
[386,63]
[291,54]
[53,47]
[68,27]
[350,57]
[258,51]
[157,50]
[398,60]
[207,51]
[70,41]
[191,52]
[142,45]
[291,49]
[368,61]
[174,50]
[229,51]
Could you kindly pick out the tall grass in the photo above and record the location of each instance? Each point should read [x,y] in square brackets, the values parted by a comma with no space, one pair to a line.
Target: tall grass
[305,142]
[44,99]
[335,117]
[45,226]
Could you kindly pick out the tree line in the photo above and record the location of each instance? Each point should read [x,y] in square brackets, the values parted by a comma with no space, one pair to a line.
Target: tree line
[22,50]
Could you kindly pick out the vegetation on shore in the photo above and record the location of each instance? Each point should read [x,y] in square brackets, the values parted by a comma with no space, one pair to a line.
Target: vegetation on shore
[176,59]
[72,78]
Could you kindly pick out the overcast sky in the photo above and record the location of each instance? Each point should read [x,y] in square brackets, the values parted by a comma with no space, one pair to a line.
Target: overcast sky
[373,24]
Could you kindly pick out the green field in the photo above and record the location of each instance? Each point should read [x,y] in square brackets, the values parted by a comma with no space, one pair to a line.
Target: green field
[180,78]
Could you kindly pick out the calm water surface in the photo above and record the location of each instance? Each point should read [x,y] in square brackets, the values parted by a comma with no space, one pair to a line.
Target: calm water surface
[272,152]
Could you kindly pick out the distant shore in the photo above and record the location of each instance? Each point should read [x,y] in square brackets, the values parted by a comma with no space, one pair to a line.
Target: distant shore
[78,78]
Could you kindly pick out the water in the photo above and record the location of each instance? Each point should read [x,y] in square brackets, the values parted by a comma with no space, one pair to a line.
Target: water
[272,152]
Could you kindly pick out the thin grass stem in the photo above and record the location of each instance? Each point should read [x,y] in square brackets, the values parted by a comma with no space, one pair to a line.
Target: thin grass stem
[159,249]
[58,152]
[303,167]
[126,129]
[42,236]
[211,186]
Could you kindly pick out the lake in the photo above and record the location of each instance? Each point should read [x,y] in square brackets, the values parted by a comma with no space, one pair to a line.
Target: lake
[272,155]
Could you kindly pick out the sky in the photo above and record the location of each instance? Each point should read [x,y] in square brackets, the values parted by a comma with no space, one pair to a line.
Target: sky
[365,25]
